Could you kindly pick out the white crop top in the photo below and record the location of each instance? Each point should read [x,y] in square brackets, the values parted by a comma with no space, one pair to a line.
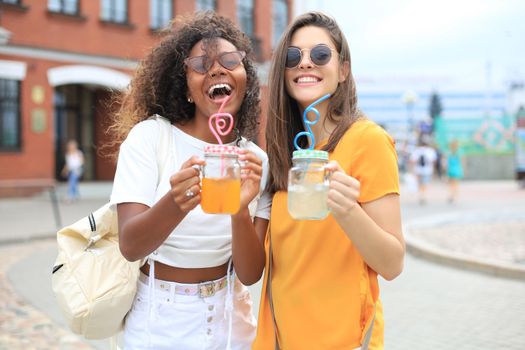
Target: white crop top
[200,239]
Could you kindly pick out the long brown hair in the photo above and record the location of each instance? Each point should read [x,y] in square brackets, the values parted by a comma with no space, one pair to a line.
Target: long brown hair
[284,119]
[160,86]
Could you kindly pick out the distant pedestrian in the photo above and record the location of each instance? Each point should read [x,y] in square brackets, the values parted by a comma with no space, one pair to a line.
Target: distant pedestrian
[439,163]
[403,157]
[423,160]
[73,170]
[454,170]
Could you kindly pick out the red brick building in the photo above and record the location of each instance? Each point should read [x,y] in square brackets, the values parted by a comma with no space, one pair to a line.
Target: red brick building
[60,59]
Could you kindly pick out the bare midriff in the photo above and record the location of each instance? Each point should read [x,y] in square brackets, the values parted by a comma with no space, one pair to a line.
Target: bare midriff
[184,275]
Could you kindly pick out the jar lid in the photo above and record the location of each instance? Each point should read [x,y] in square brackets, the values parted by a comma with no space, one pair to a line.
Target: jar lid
[310,154]
[222,149]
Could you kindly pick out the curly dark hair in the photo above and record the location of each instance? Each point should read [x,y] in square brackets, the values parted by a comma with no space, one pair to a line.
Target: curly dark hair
[160,87]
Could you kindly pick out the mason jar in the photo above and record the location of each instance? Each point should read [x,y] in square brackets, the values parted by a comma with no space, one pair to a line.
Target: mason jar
[308,182]
[221,180]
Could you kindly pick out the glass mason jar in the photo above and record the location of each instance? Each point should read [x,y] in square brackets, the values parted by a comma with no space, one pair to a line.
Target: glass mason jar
[308,182]
[221,180]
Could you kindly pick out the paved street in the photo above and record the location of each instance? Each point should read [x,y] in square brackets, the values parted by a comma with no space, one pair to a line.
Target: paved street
[430,306]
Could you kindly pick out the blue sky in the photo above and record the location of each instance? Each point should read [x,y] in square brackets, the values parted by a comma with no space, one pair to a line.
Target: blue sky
[430,44]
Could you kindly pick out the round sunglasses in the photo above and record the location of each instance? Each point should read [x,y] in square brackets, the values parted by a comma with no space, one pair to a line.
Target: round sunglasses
[319,55]
[202,64]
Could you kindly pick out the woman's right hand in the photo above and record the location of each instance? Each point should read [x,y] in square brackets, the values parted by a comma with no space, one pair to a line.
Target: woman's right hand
[185,185]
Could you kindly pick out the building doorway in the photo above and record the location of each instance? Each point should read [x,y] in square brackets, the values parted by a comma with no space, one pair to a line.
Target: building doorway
[73,121]
[81,114]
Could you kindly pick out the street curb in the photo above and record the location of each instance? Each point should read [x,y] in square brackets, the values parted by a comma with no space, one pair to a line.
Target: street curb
[424,250]
[427,251]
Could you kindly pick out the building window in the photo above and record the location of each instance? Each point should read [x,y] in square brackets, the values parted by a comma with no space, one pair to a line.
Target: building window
[68,7]
[204,5]
[245,16]
[9,115]
[280,19]
[115,11]
[161,13]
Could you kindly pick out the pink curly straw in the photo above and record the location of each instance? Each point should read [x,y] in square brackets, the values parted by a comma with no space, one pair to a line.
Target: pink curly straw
[220,122]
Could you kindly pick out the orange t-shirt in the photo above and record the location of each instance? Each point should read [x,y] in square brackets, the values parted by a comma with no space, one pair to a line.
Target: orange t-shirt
[324,294]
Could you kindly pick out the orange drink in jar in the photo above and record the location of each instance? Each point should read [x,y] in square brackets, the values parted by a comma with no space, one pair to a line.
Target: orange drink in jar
[221,196]
[221,180]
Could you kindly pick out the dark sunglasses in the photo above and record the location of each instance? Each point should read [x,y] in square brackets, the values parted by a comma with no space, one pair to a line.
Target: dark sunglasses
[202,64]
[319,55]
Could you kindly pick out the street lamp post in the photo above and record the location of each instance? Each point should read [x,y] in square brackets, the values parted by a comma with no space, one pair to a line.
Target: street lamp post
[410,99]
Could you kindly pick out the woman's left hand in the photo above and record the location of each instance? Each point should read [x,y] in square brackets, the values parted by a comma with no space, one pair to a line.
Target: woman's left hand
[343,192]
[251,173]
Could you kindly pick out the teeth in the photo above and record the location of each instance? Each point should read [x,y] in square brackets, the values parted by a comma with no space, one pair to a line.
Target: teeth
[216,87]
[307,80]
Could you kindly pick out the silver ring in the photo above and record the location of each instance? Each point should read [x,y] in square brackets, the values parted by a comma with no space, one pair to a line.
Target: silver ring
[189,193]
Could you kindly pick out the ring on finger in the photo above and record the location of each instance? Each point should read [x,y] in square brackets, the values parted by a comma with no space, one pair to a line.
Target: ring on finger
[189,193]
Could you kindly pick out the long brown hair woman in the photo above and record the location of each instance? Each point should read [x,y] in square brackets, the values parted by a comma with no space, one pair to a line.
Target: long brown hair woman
[322,292]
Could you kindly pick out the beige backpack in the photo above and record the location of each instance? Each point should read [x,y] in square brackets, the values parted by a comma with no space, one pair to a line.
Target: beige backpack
[93,283]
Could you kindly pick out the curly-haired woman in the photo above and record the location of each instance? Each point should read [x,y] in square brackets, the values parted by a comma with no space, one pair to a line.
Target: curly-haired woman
[202,62]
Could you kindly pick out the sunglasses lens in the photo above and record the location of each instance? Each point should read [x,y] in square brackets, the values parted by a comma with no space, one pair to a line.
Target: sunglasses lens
[198,64]
[293,57]
[202,64]
[230,60]
[320,55]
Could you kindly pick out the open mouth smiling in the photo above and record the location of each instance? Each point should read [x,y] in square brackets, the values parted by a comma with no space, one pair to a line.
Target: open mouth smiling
[219,91]
[307,80]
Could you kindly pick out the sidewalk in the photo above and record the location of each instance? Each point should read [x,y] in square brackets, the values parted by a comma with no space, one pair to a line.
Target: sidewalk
[483,208]
[29,316]
[484,231]
[32,217]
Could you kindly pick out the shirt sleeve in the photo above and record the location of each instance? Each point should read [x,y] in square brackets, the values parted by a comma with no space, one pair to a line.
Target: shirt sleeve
[137,171]
[261,205]
[264,206]
[375,164]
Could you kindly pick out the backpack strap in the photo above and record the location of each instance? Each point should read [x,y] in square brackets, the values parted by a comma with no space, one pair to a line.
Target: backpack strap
[95,237]
[269,288]
[164,151]
[368,334]
[164,144]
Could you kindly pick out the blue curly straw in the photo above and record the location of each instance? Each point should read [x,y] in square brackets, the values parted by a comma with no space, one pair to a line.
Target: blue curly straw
[309,133]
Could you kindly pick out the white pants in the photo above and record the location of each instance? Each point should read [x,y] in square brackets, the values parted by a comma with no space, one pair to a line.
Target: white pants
[189,322]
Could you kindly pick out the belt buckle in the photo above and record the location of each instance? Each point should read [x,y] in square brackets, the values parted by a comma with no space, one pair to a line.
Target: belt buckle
[206,289]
